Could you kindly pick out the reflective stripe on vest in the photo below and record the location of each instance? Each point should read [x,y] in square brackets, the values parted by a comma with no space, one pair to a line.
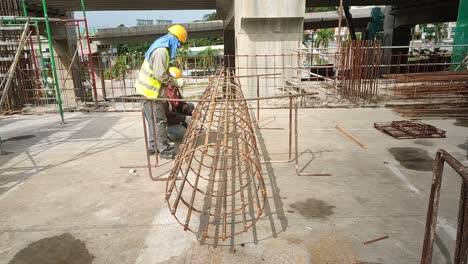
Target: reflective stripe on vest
[146,84]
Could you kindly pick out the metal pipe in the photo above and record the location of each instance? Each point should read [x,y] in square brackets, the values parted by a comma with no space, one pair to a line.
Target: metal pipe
[23,5]
[90,55]
[52,60]
[217,99]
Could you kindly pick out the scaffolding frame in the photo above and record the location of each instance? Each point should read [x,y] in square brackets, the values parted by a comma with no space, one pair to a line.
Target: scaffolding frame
[26,19]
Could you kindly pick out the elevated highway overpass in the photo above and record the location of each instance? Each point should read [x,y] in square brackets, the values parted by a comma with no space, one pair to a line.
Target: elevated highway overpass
[119,35]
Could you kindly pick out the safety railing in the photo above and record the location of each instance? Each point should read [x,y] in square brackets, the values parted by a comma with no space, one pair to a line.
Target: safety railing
[461,246]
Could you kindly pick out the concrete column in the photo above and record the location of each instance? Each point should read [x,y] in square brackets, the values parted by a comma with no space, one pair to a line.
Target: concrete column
[265,27]
[395,35]
[65,46]
[230,47]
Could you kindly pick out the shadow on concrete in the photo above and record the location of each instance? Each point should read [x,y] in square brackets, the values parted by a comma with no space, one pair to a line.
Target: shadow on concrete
[33,145]
[274,191]
[443,249]
[54,250]
[235,222]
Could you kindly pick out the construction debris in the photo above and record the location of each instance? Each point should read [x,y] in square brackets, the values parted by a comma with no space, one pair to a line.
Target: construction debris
[350,136]
[375,240]
[409,129]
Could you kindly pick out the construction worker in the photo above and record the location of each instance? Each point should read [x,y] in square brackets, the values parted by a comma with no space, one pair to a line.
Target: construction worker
[178,112]
[152,83]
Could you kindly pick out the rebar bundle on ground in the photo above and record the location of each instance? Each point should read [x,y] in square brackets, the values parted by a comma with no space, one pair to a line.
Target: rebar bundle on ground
[216,188]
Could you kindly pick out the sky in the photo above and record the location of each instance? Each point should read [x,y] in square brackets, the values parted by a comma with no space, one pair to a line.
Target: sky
[102,19]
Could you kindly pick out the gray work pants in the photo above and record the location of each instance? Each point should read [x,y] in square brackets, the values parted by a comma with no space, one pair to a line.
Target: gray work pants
[176,132]
[161,127]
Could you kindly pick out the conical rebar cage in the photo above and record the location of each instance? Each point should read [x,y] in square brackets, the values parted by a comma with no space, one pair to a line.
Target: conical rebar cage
[216,188]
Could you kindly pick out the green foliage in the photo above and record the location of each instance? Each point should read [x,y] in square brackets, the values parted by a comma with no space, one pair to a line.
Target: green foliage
[202,42]
[182,56]
[437,32]
[210,17]
[305,39]
[208,59]
[321,9]
[129,48]
[323,37]
[121,26]
[119,70]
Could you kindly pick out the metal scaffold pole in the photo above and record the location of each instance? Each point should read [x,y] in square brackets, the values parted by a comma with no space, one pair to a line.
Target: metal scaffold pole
[90,56]
[23,5]
[52,59]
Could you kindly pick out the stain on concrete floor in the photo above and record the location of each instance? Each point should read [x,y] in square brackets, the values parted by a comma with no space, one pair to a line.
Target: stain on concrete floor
[426,143]
[463,146]
[313,208]
[361,200]
[333,248]
[461,122]
[54,250]
[17,138]
[413,158]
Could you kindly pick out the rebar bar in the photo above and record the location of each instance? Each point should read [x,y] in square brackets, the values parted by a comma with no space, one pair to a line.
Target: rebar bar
[217,174]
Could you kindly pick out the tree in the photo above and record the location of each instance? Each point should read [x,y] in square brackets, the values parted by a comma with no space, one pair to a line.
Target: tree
[207,59]
[132,47]
[210,17]
[121,26]
[182,56]
[323,37]
[437,32]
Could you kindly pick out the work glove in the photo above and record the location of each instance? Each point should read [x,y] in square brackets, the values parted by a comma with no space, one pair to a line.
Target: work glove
[188,119]
[179,83]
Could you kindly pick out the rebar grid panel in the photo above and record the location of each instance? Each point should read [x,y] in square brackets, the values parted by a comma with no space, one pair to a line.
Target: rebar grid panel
[409,129]
[461,246]
[217,174]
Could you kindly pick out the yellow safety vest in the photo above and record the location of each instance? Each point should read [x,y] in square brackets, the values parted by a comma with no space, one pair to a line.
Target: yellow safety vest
[146,84]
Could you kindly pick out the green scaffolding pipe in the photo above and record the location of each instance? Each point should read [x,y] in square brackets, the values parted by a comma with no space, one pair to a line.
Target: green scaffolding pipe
[52,60]
[83,8]
[25,11]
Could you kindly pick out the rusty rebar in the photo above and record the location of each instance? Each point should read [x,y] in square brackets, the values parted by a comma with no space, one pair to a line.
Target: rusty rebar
[217,174]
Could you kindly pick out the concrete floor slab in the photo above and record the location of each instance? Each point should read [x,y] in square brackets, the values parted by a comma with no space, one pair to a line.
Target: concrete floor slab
[65,197]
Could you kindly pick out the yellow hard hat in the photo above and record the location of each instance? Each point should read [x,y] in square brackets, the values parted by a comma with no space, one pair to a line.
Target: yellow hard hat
[175,72]
[179,31]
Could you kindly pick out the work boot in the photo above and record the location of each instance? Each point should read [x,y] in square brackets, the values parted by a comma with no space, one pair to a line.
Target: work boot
[168,153]
[151,151]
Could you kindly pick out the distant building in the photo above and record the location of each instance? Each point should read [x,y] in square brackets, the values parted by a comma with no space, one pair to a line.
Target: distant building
[151,22]
[145,22]
[162,22]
